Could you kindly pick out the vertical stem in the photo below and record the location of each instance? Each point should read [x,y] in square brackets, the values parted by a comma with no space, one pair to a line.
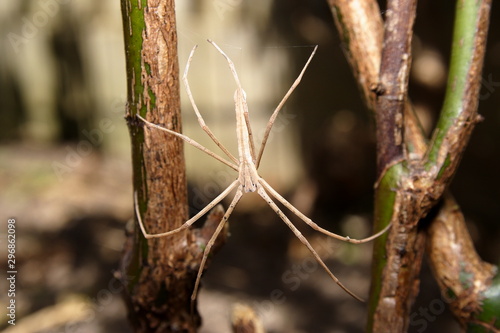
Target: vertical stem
[393,81]
[159,274]
[459,113]
[402,264]
[476,301]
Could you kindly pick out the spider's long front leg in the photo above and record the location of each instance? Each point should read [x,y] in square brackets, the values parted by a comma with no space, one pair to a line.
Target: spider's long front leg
[189,222]
[201,121]
[240,99]
[304,241]
[279,107]
[313,225]
[211,242]
[191,142]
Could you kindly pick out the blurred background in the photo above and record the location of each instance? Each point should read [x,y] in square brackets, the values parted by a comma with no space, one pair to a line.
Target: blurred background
[65,172]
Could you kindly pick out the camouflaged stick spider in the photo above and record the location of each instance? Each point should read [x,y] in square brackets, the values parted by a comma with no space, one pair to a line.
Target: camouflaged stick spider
[248,178]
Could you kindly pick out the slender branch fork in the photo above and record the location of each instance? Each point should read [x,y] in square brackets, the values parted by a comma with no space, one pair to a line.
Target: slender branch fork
[248,178]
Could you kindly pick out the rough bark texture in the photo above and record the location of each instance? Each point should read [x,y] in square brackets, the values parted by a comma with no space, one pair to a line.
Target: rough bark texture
[452,255]
[364,51]
[404,244]
[159,274]
[406,191]
[391,89]
[471,283]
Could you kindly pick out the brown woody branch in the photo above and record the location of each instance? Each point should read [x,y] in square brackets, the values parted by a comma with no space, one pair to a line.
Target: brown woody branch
[452,255]
[392,89]
[360,27]
[159,274]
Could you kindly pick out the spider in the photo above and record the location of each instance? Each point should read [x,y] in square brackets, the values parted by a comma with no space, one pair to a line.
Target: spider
[246,166]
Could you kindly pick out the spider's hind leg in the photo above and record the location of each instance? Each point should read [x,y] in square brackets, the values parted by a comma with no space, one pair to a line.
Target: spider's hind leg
[212,240]
[304,241]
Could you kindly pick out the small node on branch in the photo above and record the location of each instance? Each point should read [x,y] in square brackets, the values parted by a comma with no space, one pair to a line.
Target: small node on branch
[377,88]
[204,234]
[244,320]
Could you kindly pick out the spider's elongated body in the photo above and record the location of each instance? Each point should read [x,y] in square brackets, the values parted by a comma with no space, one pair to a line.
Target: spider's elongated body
[248,178]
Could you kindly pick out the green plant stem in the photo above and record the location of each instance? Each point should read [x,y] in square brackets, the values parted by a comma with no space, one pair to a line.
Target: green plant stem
[158,274]
[459,112]
[360,27]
